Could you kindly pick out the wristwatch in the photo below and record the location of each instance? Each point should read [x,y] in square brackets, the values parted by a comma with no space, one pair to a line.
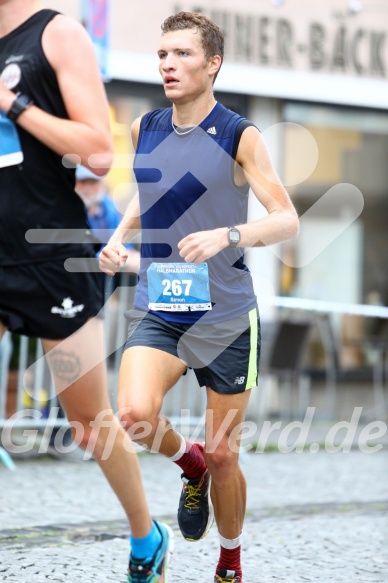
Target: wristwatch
[20,104]
[234,236]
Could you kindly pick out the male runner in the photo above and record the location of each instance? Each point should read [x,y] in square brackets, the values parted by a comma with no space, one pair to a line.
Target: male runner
[195,305]
[52,103]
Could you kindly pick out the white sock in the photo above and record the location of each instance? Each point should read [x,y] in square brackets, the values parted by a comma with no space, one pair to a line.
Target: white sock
[182,449]
[230,543]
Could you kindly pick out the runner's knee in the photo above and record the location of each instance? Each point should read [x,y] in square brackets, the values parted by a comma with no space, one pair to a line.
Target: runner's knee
[138,413]
[221,459]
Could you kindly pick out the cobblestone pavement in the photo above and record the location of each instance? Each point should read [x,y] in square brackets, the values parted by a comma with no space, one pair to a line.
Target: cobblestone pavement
[311,517]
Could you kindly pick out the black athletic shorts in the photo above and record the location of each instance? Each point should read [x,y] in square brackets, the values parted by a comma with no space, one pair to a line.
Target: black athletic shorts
[224,356]
[43,300]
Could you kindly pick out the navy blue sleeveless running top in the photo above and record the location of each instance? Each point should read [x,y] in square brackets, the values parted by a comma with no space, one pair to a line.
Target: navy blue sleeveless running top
[186,184]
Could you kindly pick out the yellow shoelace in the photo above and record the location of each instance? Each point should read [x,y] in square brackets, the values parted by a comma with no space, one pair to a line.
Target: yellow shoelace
[193,493]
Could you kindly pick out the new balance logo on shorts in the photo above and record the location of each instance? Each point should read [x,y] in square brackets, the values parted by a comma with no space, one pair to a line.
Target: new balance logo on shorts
[212,130]
[239,380]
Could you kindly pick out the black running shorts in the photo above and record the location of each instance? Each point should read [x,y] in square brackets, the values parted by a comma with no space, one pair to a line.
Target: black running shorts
[224,356]
[43,300]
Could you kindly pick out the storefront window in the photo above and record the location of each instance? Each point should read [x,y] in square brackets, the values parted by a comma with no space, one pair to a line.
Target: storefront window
[352,146]
[351,268]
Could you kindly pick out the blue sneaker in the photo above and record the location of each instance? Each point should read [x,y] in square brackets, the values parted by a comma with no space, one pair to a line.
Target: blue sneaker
[153,570]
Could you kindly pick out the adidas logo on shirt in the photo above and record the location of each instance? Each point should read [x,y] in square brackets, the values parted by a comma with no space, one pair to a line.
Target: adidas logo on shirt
[212,131]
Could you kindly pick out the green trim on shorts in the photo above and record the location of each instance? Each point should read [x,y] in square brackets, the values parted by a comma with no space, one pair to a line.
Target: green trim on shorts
[252,367]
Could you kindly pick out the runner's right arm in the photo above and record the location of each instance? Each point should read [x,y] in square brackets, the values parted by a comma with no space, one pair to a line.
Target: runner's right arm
[114,254]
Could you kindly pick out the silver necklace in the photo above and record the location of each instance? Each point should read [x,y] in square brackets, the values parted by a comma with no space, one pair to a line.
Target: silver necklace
[179,133]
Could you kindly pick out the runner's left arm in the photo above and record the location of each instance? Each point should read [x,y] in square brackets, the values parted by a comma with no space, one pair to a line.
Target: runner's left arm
[281,222]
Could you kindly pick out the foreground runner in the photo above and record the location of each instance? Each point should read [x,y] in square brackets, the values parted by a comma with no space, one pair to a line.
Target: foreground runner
[195,305]
[52,103]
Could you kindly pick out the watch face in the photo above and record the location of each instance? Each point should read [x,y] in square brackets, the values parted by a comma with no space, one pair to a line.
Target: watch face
[234,237]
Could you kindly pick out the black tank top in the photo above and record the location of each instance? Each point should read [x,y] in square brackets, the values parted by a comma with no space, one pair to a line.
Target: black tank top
[39,192]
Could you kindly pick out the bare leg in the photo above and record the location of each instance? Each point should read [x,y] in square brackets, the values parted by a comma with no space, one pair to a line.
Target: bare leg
[224,414]
[146,375]
[80,376]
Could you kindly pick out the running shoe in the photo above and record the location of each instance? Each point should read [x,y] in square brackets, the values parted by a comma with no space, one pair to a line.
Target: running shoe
[195,512]
[153,570]
[225,576]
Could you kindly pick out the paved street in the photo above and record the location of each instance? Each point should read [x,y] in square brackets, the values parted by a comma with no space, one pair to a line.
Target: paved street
[317,517]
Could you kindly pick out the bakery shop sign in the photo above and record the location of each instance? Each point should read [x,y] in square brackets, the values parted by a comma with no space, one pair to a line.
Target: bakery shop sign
[339,44]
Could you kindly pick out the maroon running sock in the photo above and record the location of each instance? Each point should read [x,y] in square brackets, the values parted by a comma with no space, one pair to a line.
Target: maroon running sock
[192,463]
[230,560]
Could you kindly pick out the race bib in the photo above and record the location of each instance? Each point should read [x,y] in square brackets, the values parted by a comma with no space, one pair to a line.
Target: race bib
[178,287]
[10,149]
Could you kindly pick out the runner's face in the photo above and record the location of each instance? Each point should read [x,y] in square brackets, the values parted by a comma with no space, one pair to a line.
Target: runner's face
[182,65]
